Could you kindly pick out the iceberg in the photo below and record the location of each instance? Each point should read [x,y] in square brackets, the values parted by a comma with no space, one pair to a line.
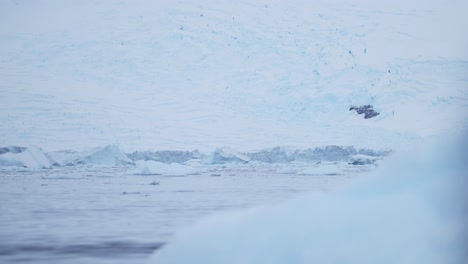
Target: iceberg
[64,157]
[165,156]
[361,159]
[326,153]
[107,156]
[273,155]
[151,167]
[27,157]
[226,155]
[12,149]
[412,210]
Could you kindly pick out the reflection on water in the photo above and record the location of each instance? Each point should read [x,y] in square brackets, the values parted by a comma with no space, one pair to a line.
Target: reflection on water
[30,253]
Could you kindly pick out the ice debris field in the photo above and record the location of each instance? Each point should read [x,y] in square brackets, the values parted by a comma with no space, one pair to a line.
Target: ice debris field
[233,131]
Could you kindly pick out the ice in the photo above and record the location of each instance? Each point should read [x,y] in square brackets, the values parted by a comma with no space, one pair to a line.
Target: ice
[287,170]
[321,170]
[29,157]
[64,157]
[326,153]
[226,155]
[61,175]
[151,167]
[289,154]
[165,156]
[112,155]
[273,155]
[410,210]
[107,156]
[161,79]
[361,159]
[12,149]
[180,75]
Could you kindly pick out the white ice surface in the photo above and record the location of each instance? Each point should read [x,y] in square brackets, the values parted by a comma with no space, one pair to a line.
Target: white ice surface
[243,74]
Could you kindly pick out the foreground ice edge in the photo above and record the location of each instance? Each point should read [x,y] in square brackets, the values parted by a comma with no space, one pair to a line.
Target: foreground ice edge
[411,211]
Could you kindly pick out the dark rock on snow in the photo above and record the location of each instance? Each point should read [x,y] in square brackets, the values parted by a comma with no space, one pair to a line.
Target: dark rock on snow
[367,110]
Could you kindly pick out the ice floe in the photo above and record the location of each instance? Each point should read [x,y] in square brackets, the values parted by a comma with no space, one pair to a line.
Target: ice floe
[27,157]
[151,167]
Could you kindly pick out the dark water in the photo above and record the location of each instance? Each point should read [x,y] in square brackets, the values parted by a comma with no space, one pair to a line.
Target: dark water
[100,216]
[30,253]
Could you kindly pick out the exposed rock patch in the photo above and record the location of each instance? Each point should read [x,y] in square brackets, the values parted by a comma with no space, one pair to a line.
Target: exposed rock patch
[367,110]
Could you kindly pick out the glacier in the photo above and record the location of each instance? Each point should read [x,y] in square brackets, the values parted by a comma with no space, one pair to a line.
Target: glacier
[188,76]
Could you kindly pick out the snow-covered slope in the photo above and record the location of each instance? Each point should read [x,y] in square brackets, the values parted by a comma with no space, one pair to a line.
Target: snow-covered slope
[243,74]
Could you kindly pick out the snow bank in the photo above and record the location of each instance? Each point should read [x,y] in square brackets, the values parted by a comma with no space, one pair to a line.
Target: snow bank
[410,211]
[158,168]
[29,157]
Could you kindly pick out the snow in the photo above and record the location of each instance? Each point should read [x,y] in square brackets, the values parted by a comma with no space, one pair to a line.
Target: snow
[246,75]
[400,214]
